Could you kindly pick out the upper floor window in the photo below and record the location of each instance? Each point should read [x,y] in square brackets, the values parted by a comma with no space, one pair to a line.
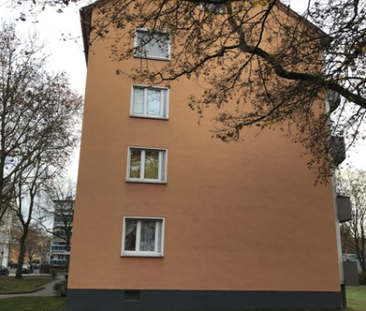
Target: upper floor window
[146,165]
[155,45]
[213,8]
[150,102]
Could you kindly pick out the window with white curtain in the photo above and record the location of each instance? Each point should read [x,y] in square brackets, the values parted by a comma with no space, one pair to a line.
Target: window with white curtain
[152,44]
[149,101]
[146,165]
[143,236]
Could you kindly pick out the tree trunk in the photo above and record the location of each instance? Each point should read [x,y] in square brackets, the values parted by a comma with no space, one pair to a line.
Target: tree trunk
[68,242]
[361,256]
[18,274]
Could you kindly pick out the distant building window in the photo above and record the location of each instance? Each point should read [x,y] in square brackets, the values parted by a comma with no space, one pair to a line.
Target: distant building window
[143,237]
[150,102]
[58,248]
[213,8]
[146,165]
[154,45]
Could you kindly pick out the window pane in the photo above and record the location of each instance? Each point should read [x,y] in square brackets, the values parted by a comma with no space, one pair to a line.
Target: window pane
[130,240]
[158,46]
[151,164]
[135,163]
[147,240]
[153,102]
[159,235]
[142,42]
[138,100]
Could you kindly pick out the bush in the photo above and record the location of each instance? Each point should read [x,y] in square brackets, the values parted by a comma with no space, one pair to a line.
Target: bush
[53,273]
[45,268]
[60,288]
[362,278]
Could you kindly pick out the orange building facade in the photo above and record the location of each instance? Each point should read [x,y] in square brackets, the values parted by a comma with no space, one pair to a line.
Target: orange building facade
[168,218]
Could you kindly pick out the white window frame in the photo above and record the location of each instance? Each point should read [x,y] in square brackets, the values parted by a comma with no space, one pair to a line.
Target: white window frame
[140,54]
[159,237]
[164,104]
[162,171]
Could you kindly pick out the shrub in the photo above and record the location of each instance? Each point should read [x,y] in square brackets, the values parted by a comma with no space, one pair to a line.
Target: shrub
[60,288]
[53,273]
[45,268]
[362,278]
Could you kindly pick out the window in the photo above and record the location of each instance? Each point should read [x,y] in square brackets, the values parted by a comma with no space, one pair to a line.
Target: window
[143,237]
[155,45]
[150,102]
[132,295]
[213,8]
[146,165]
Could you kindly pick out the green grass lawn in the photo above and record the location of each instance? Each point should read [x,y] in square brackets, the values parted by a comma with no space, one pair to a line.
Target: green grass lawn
[356,299]
[32,304]
[27,284]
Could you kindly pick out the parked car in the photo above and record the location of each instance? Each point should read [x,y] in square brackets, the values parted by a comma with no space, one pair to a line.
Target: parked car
[4,271]
[25,269]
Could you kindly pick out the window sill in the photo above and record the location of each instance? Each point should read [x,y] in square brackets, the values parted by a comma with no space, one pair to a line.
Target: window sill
[152,57]
[142,116]
[142,254]
[146,181]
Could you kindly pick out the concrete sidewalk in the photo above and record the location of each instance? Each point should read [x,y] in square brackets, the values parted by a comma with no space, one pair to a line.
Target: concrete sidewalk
[45,290]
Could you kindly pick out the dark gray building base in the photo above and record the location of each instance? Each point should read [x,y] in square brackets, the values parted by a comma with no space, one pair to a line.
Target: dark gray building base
[175,300]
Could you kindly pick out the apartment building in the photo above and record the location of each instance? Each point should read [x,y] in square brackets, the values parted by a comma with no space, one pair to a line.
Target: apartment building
[62,232]
[5,237]
[168,218]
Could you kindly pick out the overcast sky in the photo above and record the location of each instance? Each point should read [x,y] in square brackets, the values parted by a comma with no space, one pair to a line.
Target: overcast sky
[62,33]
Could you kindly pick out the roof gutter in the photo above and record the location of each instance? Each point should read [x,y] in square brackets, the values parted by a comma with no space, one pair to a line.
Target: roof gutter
[85,20]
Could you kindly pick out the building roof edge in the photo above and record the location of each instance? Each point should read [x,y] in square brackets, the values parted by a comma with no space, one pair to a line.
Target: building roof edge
[86,27]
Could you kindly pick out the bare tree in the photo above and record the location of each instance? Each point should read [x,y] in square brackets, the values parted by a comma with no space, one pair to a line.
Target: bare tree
[353,184]
[262,64]
[259,63]
[35,7]
[29,187]
[60,195]
[37,241]
[38,113]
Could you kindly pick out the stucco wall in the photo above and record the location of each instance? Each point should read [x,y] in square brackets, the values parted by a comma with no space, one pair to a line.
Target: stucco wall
[238,216]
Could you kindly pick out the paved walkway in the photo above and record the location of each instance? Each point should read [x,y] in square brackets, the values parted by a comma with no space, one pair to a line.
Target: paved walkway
[45,291]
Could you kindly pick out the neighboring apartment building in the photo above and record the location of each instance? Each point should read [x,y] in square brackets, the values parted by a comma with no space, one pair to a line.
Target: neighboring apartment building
[5,237]
[169,219]
[62,232]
